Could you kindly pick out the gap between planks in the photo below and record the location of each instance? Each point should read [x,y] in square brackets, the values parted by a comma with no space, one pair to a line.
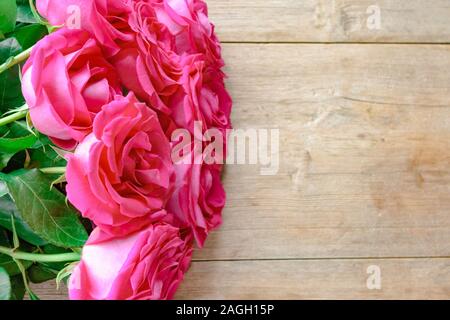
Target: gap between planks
[337,42]
[299,279]
[406,21]
[364,160]
[326,259]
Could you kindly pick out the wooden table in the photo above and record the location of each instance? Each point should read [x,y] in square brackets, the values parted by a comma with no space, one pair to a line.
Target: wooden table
[363,187]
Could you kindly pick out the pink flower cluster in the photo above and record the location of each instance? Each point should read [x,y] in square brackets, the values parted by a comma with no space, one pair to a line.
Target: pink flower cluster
[114,90]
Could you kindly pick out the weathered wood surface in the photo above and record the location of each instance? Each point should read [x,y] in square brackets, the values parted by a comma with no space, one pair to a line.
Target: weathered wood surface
[364,176]
[317,279]
[405,21]
[364,153]
[307,279]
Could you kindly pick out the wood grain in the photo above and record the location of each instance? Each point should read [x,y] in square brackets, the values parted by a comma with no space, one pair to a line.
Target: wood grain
[364,153]
[326,279]
[306,279]
[403,21]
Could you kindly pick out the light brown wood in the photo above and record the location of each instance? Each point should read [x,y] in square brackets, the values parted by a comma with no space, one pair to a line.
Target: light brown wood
[326,279]
[364,153]
[307,279]
[331,20]
[49,291]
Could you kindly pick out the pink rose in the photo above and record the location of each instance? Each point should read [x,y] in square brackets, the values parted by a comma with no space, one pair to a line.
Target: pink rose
[204,99]
[187,21]
[66,81]
[147,265]
[148,66]
[104,19]
[181,26]
[152,75]
[198,200]
[121,175]
[175,63]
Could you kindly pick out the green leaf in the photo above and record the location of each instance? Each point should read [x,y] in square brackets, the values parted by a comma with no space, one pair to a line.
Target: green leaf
[3,189]
[39,273]
[46,157]
[33,296]
[18,287]
[14,145]
[16,129]
[5,285]
[4,159]
[4,237]
[16,162]
[9,48]
[44,209]
[10,86]
[15,138]
[7,262]
[8,13]
[55,266]
[28,35]
[9,265]
[24,13]
[8,208]
[65,273]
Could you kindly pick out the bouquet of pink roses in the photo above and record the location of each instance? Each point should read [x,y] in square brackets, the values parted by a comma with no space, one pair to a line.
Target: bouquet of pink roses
[113,127]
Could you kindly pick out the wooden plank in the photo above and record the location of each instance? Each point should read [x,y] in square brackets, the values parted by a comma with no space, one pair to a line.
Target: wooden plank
[48,291]
[326,279]
[331,20]
[364,153]
[306,279]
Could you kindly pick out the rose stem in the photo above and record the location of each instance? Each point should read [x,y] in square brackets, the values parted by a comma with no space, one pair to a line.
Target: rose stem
[13,117]
[15,60]
[54,170]
[37,257]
